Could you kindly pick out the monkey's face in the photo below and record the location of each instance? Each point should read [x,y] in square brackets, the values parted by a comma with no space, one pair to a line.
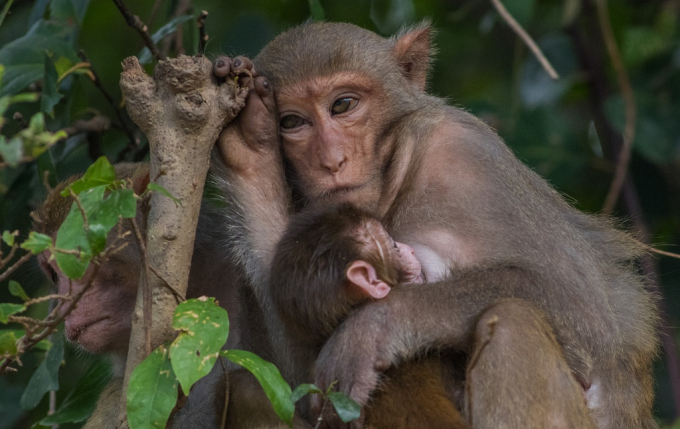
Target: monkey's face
[330,128]
[101,322]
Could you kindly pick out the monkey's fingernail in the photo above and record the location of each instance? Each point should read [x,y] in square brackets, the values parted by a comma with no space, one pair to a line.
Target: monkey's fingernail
[265,84]
[237,62]
[220,63]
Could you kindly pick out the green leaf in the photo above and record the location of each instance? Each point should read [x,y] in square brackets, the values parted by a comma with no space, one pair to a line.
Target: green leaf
[8,343]
[169,28]
[152,392]
[82,400]
[72,235]
[158,188]
[24,59]
[50,90]
[8,237]
[16,290]
[316,10]
[204,327]
[11,151]
[345,406]
[45,378]
[304,389]
[68,11]
[5,9]
[97,174]
[36,242]
[119,203]
[275,387]
[7,310]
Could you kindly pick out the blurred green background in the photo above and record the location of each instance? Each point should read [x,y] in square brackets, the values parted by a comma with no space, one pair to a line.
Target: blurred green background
[566,130]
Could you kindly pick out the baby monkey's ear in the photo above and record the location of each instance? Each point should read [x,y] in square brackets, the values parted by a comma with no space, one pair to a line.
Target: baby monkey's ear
[364,281]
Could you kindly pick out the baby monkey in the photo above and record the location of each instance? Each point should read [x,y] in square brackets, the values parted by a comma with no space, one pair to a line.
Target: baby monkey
[330,262]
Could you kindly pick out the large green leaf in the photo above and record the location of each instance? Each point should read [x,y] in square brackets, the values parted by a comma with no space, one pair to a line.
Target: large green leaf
[275,387]
[69,10]
[5,9]
[152,392]
[24,59]
[45,378]
[82,400]
[204,327]
[7,310]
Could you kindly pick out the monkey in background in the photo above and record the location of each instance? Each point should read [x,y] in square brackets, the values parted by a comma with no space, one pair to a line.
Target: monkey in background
[101,322]
[545,300]
[330,262]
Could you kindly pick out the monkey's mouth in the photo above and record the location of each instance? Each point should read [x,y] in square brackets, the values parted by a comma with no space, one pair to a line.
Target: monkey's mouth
[73,333]
[329,194]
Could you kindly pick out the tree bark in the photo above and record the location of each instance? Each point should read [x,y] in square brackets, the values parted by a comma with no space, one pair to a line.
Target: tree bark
[181,111]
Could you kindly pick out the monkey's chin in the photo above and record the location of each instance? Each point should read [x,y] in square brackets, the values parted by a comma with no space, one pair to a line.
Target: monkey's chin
[98,336]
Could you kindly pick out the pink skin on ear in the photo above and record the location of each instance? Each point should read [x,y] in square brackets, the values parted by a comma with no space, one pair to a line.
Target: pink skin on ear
[365,282]
[409,264]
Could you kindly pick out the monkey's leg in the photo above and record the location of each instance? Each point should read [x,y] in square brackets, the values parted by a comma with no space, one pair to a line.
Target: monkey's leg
[517,376]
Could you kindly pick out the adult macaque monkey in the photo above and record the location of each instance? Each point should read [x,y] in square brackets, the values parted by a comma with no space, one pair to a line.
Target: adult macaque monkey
[330,262]
[101,323]
[546,301]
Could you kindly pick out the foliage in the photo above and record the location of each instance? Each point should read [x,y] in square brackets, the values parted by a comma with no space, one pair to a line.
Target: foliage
[48,87]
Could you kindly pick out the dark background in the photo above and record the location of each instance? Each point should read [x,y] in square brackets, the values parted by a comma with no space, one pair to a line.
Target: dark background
[566,130]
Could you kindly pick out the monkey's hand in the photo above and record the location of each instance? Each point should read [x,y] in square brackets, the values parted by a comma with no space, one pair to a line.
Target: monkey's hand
[354,356]
[251,141]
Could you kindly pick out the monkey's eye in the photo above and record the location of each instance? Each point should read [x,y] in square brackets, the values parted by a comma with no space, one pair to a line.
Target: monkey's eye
[53,275]
[291,121]
[342,105]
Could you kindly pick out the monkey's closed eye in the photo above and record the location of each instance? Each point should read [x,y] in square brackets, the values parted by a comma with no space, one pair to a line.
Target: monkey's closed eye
[342,105]
[291,121]
[53,275]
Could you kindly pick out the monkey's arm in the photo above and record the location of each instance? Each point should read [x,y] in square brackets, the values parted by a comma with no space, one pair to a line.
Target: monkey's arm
[441,314]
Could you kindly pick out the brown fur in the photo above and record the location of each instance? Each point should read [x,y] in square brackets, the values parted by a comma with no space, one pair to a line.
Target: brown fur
[484,226]
[309,289]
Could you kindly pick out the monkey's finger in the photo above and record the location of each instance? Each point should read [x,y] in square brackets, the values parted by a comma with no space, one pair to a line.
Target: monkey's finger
[264,89]
[222,66]
[242,66]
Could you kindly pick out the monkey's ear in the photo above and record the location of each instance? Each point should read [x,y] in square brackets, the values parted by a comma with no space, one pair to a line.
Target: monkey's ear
[412,49]
[365,281]
[139,183]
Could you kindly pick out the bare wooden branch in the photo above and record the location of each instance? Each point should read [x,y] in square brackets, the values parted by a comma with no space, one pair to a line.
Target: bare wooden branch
[203,37]
[503,12]
[628,100]
[136,23]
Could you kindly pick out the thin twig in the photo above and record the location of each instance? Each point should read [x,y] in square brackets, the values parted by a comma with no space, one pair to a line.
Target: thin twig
[223,424]
[53,320]
[136,23]
[116,107]
[526,38]
[146,286]
[15,266]
[202,36]
[183,6]
[629,102]
[86,224]
[178,296]
[9,257]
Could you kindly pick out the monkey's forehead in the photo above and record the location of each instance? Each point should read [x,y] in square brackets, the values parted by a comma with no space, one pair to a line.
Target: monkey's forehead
[321,49]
